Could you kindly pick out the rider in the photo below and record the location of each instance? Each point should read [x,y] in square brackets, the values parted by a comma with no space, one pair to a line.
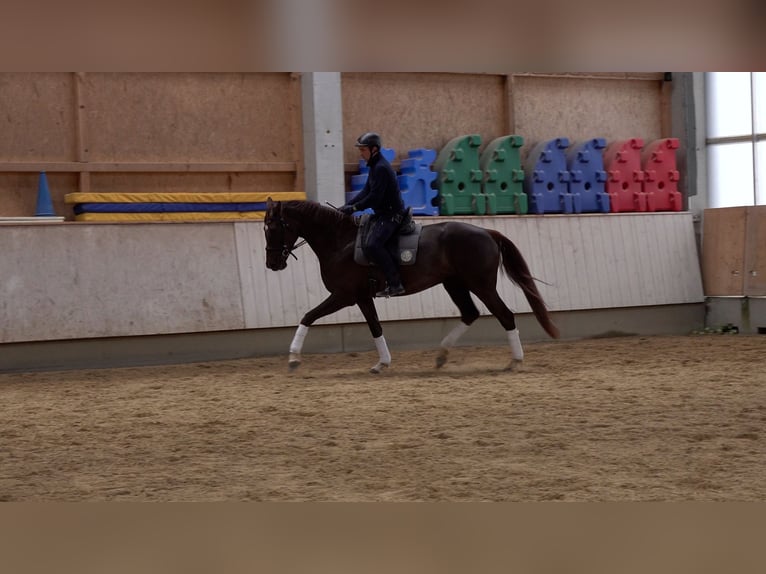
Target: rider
[382,194]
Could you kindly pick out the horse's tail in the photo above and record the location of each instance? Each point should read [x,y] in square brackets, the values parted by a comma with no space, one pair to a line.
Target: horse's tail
[517,269]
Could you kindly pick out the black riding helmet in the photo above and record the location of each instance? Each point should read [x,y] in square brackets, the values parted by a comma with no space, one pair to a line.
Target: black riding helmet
[370,140]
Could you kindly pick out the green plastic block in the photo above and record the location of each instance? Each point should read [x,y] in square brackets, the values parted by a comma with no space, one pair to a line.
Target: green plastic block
[460,177]
[503,176]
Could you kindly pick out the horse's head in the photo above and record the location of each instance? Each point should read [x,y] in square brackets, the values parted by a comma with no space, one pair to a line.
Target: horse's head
[281,235]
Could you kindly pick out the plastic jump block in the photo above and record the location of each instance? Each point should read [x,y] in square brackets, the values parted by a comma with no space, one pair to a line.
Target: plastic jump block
[658,160]
[587,177]
[503,176]
[416,182]
[459,177]
[358,181]
[624,176]
[547,187]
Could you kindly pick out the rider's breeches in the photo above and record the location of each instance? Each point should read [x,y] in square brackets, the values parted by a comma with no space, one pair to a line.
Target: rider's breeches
[377,252]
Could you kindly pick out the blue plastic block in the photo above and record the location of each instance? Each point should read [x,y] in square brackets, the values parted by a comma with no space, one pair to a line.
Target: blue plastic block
[548,183]
[587,183]
[587,177]
[416,182]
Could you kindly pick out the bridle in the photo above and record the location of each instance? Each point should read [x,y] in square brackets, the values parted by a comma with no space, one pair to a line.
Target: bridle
[285,251]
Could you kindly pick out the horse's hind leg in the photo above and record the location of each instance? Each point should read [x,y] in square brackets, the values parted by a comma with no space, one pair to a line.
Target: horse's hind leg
[500,310]
[461,296]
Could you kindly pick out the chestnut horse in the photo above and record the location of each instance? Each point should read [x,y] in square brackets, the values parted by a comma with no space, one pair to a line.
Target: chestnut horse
[462,257]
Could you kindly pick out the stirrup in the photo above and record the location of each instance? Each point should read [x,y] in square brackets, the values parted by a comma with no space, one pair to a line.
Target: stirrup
[391,291]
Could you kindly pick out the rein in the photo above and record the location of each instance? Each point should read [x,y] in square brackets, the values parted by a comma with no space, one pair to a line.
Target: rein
[308,211]
[286,251]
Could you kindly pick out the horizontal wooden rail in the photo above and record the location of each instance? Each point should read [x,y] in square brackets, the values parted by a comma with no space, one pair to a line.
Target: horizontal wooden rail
[641,76]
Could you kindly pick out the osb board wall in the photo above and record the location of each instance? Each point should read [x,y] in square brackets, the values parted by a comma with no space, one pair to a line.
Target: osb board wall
[38,117]
[113,120]
[142,132]
[192,117]
[723,251]
[755,251]
[413,110]
[18,193]
[734,258]
[194,182]
[420,110]
[584,108]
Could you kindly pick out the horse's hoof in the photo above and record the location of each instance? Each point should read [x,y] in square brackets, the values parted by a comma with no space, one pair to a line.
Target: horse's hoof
[441,359]
[514,366]
[294,362]
[377,369]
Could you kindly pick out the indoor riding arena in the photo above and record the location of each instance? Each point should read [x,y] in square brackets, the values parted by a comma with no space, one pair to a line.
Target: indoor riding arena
[144,343]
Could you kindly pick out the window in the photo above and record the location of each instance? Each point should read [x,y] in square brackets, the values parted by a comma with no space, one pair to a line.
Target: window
[736,138]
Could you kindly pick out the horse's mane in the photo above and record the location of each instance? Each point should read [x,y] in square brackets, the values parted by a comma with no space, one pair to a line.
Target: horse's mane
[315,212]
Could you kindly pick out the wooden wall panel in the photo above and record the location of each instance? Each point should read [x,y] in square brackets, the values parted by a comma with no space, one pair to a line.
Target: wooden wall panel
[193,182]
[158,119]
[191,116]
[546,108]
[723,251]
[38,114]
[583,262]
[420,110]
[130,132]
[18,193]
[755,252]
[413,110]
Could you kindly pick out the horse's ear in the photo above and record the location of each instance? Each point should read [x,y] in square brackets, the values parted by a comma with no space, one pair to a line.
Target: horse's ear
[269,203]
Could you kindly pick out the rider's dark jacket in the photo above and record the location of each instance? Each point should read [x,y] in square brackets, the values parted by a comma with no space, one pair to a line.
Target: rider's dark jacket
[381,192]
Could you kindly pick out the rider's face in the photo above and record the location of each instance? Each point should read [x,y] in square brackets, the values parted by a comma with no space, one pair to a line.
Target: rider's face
[364,151]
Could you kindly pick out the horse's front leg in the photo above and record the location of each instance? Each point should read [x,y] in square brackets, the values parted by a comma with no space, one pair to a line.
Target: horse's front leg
[330,305]
[367,307]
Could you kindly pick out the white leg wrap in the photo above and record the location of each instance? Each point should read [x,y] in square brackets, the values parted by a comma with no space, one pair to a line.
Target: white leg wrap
[453,336]
[300,335]
[383,353]
[516,351]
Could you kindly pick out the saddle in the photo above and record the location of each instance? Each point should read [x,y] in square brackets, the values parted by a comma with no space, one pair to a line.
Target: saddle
[403,244]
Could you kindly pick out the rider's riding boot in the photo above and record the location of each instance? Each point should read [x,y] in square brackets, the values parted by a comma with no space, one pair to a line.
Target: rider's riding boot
[391,290]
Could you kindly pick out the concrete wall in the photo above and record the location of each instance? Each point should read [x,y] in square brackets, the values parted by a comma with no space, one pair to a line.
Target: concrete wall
[748,314]
[340,338]
[68,281]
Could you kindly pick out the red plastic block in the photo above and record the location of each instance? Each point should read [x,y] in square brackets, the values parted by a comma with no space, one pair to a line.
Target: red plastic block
[624,176]
[658,161]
